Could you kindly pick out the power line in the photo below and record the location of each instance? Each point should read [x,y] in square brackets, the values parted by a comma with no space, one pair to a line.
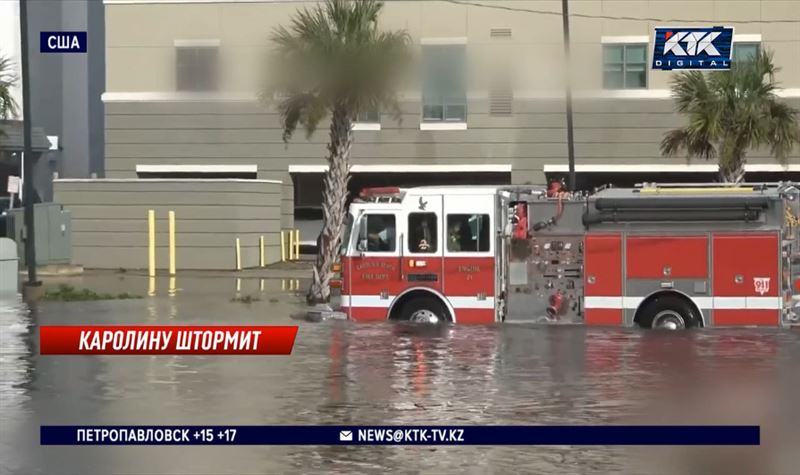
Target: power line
[608,17]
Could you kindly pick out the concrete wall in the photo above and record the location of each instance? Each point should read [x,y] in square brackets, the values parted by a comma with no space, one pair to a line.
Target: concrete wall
[141,34]
[148,122]
[607,131]
[110,228]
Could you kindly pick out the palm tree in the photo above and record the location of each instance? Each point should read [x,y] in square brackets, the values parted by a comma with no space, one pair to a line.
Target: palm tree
[8,106]
[333,61]
[731,112]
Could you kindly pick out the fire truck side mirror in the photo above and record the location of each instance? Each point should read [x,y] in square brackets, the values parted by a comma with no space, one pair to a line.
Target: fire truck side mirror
[361,241]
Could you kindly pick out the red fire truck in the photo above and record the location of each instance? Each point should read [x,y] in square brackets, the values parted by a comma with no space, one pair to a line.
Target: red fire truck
[657,256]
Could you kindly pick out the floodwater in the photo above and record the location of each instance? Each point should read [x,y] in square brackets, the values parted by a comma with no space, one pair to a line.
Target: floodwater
[346,373]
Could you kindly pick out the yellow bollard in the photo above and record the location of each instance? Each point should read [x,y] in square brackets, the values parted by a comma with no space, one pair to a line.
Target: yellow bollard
[283,246]
[283,284]
[172,243]
[238,254]
[171,290]
[151,242]
[291,244]
[296,244]
[261,257]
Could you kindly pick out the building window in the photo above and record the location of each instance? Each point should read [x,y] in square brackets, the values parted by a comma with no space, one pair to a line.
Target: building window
[196,68]
[468,233]
[624,66]
[422,233]
[369,117]
[377,233]
[744,52]
[444,95]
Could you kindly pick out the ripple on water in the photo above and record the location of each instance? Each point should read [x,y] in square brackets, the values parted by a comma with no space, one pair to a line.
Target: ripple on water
[344,373]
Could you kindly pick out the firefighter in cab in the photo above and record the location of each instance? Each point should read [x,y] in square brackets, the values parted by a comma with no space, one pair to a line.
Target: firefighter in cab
[380,234]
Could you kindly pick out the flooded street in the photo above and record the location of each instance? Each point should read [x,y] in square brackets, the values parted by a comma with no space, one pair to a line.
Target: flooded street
[345,373]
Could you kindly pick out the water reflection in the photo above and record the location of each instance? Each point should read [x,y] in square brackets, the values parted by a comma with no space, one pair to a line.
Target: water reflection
[15,351]
[343,373]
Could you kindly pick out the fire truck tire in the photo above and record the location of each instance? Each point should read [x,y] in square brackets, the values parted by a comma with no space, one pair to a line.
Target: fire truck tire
[668,312]
[424,310]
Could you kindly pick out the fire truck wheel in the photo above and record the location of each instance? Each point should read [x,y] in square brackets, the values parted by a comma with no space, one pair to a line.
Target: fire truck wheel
[424,310]
[669,313]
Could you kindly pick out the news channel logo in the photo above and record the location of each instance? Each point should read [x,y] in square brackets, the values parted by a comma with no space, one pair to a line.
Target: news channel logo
[693,48]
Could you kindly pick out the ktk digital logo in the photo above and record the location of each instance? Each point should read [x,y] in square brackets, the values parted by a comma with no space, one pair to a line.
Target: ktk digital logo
[693,48]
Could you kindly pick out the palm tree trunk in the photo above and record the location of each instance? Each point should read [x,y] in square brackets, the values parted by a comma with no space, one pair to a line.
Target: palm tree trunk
[732,170]
[334,199]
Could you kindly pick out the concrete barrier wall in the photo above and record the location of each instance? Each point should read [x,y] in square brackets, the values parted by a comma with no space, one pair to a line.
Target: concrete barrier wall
[110,227]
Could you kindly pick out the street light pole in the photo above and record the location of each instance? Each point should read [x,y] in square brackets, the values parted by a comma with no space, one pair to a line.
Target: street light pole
[27,157]
[570,140]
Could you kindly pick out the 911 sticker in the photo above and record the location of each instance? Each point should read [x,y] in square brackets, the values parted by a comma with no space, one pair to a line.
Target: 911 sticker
[761,285]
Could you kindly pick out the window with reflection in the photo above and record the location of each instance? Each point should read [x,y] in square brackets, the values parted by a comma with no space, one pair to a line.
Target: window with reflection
[468,233]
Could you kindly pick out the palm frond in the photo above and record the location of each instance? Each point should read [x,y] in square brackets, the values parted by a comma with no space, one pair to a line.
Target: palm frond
[685,140]
[690,90]
[300,109]
[781,129]
[8,106]
[730,112]
[335,53]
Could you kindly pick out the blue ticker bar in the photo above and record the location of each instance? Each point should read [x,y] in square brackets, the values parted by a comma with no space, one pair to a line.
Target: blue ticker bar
[401,435]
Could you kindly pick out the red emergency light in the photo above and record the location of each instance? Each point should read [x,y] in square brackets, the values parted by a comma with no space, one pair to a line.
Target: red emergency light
[379,191]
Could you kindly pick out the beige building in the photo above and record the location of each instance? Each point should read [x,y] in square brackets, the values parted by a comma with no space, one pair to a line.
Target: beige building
[182,76]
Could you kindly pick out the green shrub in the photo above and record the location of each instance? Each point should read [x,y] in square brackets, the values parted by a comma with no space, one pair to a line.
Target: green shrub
[68,293]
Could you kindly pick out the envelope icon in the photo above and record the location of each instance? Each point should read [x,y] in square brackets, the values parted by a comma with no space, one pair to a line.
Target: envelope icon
[345,435]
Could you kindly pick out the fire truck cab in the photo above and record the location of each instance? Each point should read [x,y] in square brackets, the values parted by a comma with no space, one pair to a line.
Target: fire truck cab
[656,256]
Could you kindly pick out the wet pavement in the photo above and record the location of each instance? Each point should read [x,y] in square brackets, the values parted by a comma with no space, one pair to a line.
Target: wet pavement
[346,373]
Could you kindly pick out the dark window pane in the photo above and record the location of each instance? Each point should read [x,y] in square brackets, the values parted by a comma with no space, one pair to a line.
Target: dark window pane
[625,66]
[377,233]
[613,80]
[443,82]
[468,232]
[635,54]
[196,68]
[456,112]
[635,79]
[432,112]
[371,117]
[745,51]
[422,232]
[612,54]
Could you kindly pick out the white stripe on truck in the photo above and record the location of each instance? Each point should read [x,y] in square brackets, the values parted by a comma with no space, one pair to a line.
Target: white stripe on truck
[375,301]
[761,303]
[733,303]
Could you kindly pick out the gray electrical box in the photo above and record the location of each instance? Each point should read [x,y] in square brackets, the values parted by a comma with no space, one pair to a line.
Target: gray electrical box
[53,233]
[9,267]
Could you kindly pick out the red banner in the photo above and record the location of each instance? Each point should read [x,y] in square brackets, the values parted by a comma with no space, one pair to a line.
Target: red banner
[166,340]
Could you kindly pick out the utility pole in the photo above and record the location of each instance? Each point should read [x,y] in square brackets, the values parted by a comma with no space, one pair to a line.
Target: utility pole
[570,139]
[27,157]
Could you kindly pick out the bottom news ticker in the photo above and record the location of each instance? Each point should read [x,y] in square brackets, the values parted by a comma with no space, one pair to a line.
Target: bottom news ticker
[400,435]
